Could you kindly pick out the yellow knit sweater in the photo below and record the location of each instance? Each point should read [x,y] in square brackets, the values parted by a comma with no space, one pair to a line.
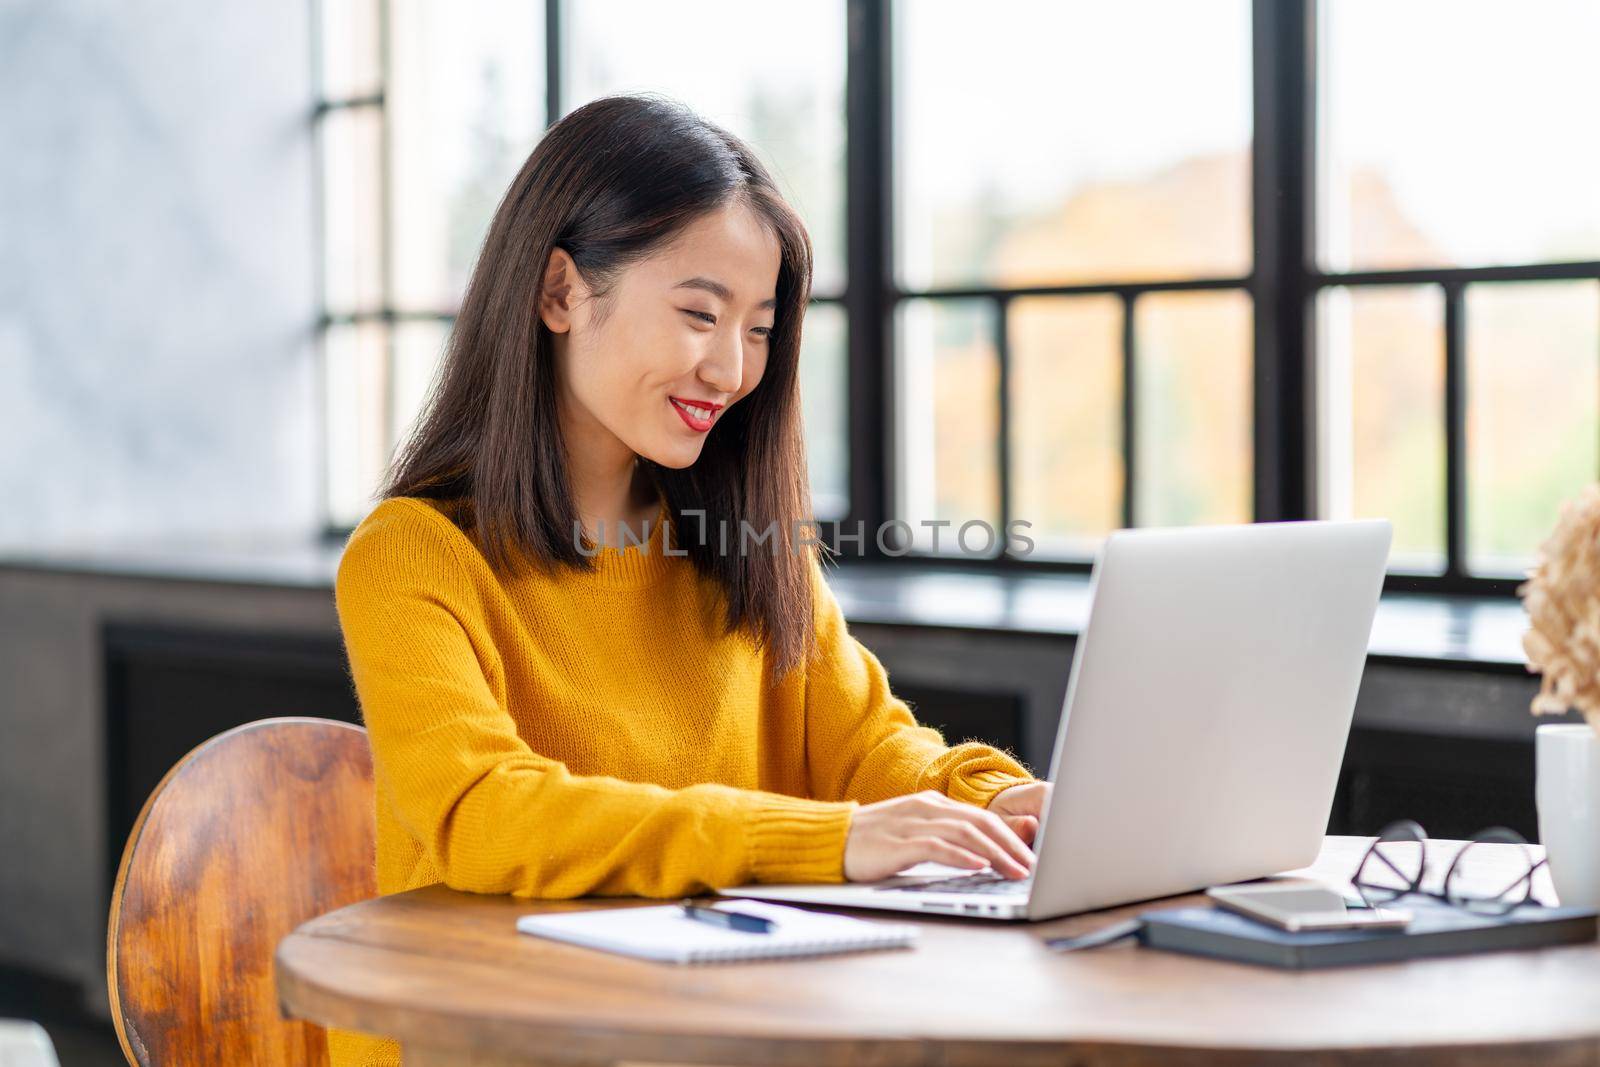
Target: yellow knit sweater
[599,734]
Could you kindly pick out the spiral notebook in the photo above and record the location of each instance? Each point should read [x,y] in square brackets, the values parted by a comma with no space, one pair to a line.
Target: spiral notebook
[665,933]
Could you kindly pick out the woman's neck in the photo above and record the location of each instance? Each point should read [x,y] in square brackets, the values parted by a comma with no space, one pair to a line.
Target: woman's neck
[632,505]
[610,487]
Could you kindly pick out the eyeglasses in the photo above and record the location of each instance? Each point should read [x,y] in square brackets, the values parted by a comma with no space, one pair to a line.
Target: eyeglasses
[1396,863]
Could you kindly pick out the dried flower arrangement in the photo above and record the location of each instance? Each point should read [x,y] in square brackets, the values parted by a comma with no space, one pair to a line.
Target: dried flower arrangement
[1562,598]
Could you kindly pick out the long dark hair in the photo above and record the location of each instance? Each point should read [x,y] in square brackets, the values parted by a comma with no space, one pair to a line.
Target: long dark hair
[611,182]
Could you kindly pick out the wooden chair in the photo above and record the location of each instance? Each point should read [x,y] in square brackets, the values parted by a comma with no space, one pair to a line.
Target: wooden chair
[249,835]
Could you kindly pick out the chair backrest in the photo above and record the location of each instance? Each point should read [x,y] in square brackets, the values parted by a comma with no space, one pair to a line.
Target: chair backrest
[251,834]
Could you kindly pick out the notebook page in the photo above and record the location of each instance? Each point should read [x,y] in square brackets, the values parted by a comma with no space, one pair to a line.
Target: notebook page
[663,932]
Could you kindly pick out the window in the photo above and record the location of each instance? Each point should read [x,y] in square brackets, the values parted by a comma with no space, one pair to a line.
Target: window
[1458,224]
[1153,263]
[426,112]
[1072,249]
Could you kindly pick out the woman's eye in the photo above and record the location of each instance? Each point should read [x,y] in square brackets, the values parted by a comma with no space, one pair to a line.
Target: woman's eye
[706,316]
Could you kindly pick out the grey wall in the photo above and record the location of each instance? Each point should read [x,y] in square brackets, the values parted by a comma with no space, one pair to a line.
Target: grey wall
[53,889]
[157,295]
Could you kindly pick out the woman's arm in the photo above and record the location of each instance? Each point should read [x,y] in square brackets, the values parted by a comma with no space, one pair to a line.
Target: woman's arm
[493,816]
[863,743]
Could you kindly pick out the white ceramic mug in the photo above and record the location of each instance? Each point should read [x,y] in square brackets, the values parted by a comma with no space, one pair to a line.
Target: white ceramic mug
[1567,788]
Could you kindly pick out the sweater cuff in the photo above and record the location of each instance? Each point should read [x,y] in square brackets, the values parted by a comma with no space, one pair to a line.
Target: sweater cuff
[796,840]
[981,787]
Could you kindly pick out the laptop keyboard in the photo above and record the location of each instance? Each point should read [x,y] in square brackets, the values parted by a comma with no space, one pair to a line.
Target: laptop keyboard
[985,882]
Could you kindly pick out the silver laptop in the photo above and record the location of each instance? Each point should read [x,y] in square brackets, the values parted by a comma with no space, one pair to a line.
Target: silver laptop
[1206,715]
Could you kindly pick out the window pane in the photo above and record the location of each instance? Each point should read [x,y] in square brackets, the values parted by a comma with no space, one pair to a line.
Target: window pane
[1192,408]
[770,73]
[351,209]
[418,348]
[1533,378]
[949,421]
[1382,387]
[825,393]
[1454,133]
[466,108]
[1046,143]
[1066,418]
[355,364]
[347,45]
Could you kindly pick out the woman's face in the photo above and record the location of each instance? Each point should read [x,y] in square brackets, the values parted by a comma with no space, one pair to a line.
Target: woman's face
[685,338]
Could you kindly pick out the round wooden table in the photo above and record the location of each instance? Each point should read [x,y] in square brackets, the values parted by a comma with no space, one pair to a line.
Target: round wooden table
[447,974]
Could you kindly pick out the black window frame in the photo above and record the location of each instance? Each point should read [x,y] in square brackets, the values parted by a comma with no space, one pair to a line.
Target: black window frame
[1284,284]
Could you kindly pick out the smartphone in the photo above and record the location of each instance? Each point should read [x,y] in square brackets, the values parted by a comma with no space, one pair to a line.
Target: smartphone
[1304,907]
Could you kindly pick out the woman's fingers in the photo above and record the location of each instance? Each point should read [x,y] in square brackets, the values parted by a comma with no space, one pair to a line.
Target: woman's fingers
[941,851]
[890,835]
[1024,826]
[937,805]
[994,826]
[1009,838]
[973,838]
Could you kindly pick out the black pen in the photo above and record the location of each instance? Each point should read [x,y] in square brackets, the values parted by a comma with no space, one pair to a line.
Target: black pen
[730,920]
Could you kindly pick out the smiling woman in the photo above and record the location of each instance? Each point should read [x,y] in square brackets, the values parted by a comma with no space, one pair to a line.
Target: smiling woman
[554,712]
[640,254]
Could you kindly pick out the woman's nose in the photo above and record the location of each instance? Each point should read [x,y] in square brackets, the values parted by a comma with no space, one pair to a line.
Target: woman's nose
[723,369]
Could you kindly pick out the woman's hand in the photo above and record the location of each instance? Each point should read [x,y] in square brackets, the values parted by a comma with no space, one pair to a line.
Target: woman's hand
[1022,806]
[893,834]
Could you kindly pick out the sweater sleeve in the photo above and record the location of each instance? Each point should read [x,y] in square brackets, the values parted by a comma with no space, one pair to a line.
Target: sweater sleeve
[493,816]
[863,743]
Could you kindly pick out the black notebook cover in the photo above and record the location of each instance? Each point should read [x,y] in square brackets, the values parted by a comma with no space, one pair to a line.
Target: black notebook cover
[1436,930]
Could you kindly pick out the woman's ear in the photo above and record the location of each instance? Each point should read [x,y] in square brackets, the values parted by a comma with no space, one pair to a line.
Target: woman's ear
[560,291]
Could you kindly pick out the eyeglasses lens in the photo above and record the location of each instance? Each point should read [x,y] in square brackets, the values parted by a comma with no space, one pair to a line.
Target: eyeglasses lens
[1392,866]
[1491,880]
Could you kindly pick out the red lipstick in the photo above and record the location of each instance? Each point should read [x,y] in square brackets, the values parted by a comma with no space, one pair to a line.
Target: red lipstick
[696,414]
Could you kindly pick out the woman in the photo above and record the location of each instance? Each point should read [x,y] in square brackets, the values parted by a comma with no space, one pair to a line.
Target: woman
[556,709]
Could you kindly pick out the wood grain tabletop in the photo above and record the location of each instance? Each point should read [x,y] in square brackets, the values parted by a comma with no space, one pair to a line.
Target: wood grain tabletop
[448,975]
